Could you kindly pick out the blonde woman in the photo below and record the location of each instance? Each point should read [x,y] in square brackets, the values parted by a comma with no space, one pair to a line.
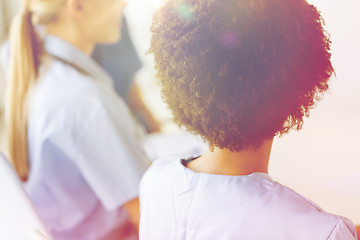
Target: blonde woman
[71,139]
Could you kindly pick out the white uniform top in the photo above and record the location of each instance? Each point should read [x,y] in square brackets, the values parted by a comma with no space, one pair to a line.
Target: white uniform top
[85,158]
[178,203]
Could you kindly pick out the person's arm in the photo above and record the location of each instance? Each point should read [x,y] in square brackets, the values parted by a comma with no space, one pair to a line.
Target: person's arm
[100,138]
[137,104]
[132,207]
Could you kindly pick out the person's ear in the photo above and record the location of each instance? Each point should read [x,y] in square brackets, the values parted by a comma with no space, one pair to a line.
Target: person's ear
[74,7]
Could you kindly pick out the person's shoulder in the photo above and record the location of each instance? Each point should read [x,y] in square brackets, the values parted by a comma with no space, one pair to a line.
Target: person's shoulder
[64,96]
[276,209]
[344,229]
[257,200]
[162,167]
[64,76]
[285,207]
[64,85]
[160,174]
[292,200]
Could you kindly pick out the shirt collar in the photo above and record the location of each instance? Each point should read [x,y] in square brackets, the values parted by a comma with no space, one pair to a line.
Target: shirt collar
[68,53]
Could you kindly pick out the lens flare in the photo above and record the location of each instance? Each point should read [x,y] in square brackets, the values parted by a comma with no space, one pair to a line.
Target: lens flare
[185,11]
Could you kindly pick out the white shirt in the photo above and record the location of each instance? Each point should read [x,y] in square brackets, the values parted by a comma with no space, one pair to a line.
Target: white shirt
[178,203]
[85,160]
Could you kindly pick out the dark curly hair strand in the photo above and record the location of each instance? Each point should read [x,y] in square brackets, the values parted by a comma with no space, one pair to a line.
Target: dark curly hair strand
[238,72]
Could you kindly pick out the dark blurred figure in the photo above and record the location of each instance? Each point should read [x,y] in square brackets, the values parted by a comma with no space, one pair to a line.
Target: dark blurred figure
[122,62]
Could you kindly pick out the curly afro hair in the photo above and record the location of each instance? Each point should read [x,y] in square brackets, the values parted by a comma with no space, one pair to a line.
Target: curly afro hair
[238,72]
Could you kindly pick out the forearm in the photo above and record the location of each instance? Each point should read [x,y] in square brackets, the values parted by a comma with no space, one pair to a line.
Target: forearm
[138,105]
[132,207]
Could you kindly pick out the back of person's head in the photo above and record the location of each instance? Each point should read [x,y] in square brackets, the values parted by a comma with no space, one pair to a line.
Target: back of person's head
[25,51]
[238,72]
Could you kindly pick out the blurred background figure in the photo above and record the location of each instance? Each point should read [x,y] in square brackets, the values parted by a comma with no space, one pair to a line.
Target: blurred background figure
[122,62]
[333,128]
[71,139]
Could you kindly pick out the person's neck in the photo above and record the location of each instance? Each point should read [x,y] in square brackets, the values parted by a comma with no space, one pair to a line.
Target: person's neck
[71,35]
[226,162]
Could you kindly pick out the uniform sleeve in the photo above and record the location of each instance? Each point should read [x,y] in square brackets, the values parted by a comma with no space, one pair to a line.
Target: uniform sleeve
[343,230]
[104,147]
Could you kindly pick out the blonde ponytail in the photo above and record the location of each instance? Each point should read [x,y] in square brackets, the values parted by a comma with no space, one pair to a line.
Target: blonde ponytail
[23,70]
